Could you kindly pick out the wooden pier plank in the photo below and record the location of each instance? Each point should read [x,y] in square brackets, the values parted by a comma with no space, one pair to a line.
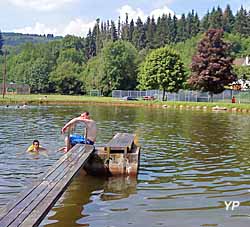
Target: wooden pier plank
[53,196]
[60,182]
[42,196]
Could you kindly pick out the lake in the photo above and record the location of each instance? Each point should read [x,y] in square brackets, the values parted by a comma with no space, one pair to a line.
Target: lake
[192,162]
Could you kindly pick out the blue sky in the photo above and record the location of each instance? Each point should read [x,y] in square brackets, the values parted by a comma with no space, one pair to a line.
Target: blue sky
[75,17]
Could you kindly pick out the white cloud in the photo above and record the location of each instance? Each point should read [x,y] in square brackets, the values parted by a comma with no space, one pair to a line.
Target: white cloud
[159,12]
[80,27]
[41,5]
[246,6]
[38,28]
[76,27]
[132,13]
[135,13]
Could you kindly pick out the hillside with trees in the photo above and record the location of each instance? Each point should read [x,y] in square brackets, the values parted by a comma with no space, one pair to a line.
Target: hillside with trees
[111,54]
[15,39]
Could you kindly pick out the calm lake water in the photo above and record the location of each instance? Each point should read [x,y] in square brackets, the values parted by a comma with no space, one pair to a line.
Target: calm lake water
[191,163]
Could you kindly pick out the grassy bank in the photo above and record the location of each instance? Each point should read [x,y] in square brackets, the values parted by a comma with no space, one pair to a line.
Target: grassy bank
[38,99]
[78,100]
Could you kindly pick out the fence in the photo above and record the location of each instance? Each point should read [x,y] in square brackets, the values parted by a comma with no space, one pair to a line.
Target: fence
[188,96]
[137,94]
[94,93]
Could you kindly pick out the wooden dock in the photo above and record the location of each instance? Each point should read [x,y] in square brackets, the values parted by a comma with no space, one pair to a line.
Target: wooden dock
[34,203]
[120,156]
[121,142]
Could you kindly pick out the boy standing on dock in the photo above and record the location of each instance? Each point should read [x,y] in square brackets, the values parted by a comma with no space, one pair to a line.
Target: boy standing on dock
[90,133]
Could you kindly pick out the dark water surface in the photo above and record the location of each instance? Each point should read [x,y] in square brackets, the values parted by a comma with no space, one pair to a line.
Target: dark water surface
[191,163]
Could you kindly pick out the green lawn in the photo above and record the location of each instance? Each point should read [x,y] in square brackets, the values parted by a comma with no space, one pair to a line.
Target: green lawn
[52,98]
[71,99]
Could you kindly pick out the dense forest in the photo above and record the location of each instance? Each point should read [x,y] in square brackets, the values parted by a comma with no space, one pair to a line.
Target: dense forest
[111,54]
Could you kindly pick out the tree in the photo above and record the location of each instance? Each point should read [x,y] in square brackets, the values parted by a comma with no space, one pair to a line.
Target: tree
[119,28]
[172,28]
[131,31]
[71,55]
[241,24]
[71,41]
[216,18]
[181,29]
[66,78]
[242,72]
[119,67]
[150,28]
[113,31]
[90,50]
[139,36]
[212,65]
[196,28]
[192,24]
[162,31]
[188,49]
[162,69]
[228,19]
[205,22]
[125,30]
[97,35]
[39,78]
[93,73]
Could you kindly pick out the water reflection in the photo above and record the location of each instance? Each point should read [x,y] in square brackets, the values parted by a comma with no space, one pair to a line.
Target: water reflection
[118,188]
[86,193]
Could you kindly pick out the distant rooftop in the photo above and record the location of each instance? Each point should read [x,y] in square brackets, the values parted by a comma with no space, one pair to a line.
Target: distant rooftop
[241,61]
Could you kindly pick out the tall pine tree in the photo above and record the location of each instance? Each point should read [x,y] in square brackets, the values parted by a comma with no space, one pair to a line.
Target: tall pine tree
[98,36]
[196,27]
[90,45]
[181,29]
[150,29]
[205,22]
[192,24]
[131,31]
[216,18]
[228,19]
[113,32]
[125,30]
[172,29]
[241,24]
[119,28]
[139,36]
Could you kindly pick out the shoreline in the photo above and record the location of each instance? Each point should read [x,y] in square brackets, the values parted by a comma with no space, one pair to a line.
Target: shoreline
[79,100]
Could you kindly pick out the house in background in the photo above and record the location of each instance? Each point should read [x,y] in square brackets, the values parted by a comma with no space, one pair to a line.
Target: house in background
[242,61]
[242,84]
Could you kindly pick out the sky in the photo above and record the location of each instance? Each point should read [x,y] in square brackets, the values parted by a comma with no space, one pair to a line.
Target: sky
[75,17]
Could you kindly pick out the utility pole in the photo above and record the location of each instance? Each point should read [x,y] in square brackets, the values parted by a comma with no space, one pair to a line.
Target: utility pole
[4,74]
